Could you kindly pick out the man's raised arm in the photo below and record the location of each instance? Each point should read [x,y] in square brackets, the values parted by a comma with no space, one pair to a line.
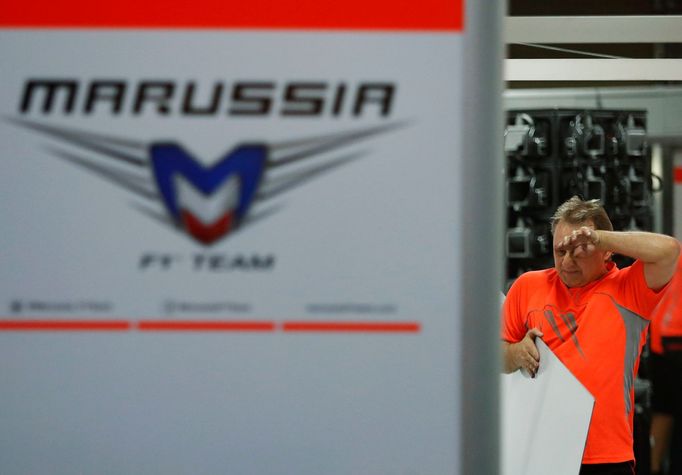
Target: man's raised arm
[657,252]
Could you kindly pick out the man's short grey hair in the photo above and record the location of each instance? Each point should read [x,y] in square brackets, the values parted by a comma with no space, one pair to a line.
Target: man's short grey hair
[577,211]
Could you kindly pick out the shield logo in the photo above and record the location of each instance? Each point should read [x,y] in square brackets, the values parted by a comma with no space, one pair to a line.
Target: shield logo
[207,202]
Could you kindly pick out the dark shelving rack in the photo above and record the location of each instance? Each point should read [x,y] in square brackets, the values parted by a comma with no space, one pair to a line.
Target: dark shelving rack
[553,154]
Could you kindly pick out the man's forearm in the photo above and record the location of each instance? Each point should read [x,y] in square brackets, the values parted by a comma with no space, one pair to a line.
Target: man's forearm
[649,248]
[658,252]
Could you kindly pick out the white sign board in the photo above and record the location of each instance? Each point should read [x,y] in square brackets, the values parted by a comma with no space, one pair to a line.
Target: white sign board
[232,247]
[544,419]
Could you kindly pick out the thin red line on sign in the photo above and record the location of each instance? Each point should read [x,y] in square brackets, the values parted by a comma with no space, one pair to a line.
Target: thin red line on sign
[424,15]
[211,326]
[678,174]
[352,327]
[64,325]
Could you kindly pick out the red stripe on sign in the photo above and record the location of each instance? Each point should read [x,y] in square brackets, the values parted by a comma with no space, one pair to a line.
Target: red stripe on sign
[678,174]
[212,326]
[64,325]
[429,15]
[353,327]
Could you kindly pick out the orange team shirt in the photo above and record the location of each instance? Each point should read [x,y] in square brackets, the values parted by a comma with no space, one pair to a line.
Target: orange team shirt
[667,318]
[597,331]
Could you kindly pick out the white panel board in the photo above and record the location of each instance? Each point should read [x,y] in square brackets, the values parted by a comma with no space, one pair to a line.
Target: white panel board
[544,419]
[665,69]
[594,29]
[319,335]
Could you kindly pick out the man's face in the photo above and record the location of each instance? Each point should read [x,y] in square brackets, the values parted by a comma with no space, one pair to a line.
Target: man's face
[581,265]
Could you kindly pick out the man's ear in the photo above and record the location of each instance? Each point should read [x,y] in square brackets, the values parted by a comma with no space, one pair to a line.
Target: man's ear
[607,256]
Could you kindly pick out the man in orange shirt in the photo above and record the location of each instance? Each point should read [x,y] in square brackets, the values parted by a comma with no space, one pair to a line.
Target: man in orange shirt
[594,317]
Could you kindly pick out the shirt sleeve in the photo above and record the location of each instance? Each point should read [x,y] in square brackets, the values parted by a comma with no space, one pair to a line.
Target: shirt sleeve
[513,327]
[641,297]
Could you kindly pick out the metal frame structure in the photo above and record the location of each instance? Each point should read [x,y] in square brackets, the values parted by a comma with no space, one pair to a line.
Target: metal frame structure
[593,29]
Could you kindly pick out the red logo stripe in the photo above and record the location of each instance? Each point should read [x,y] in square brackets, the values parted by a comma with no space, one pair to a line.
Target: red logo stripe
[211,326]
[353,327]
[64,325]
[424,15]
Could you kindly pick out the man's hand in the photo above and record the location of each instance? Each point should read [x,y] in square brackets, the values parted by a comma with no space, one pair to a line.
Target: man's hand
[523,354]
[581,242]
